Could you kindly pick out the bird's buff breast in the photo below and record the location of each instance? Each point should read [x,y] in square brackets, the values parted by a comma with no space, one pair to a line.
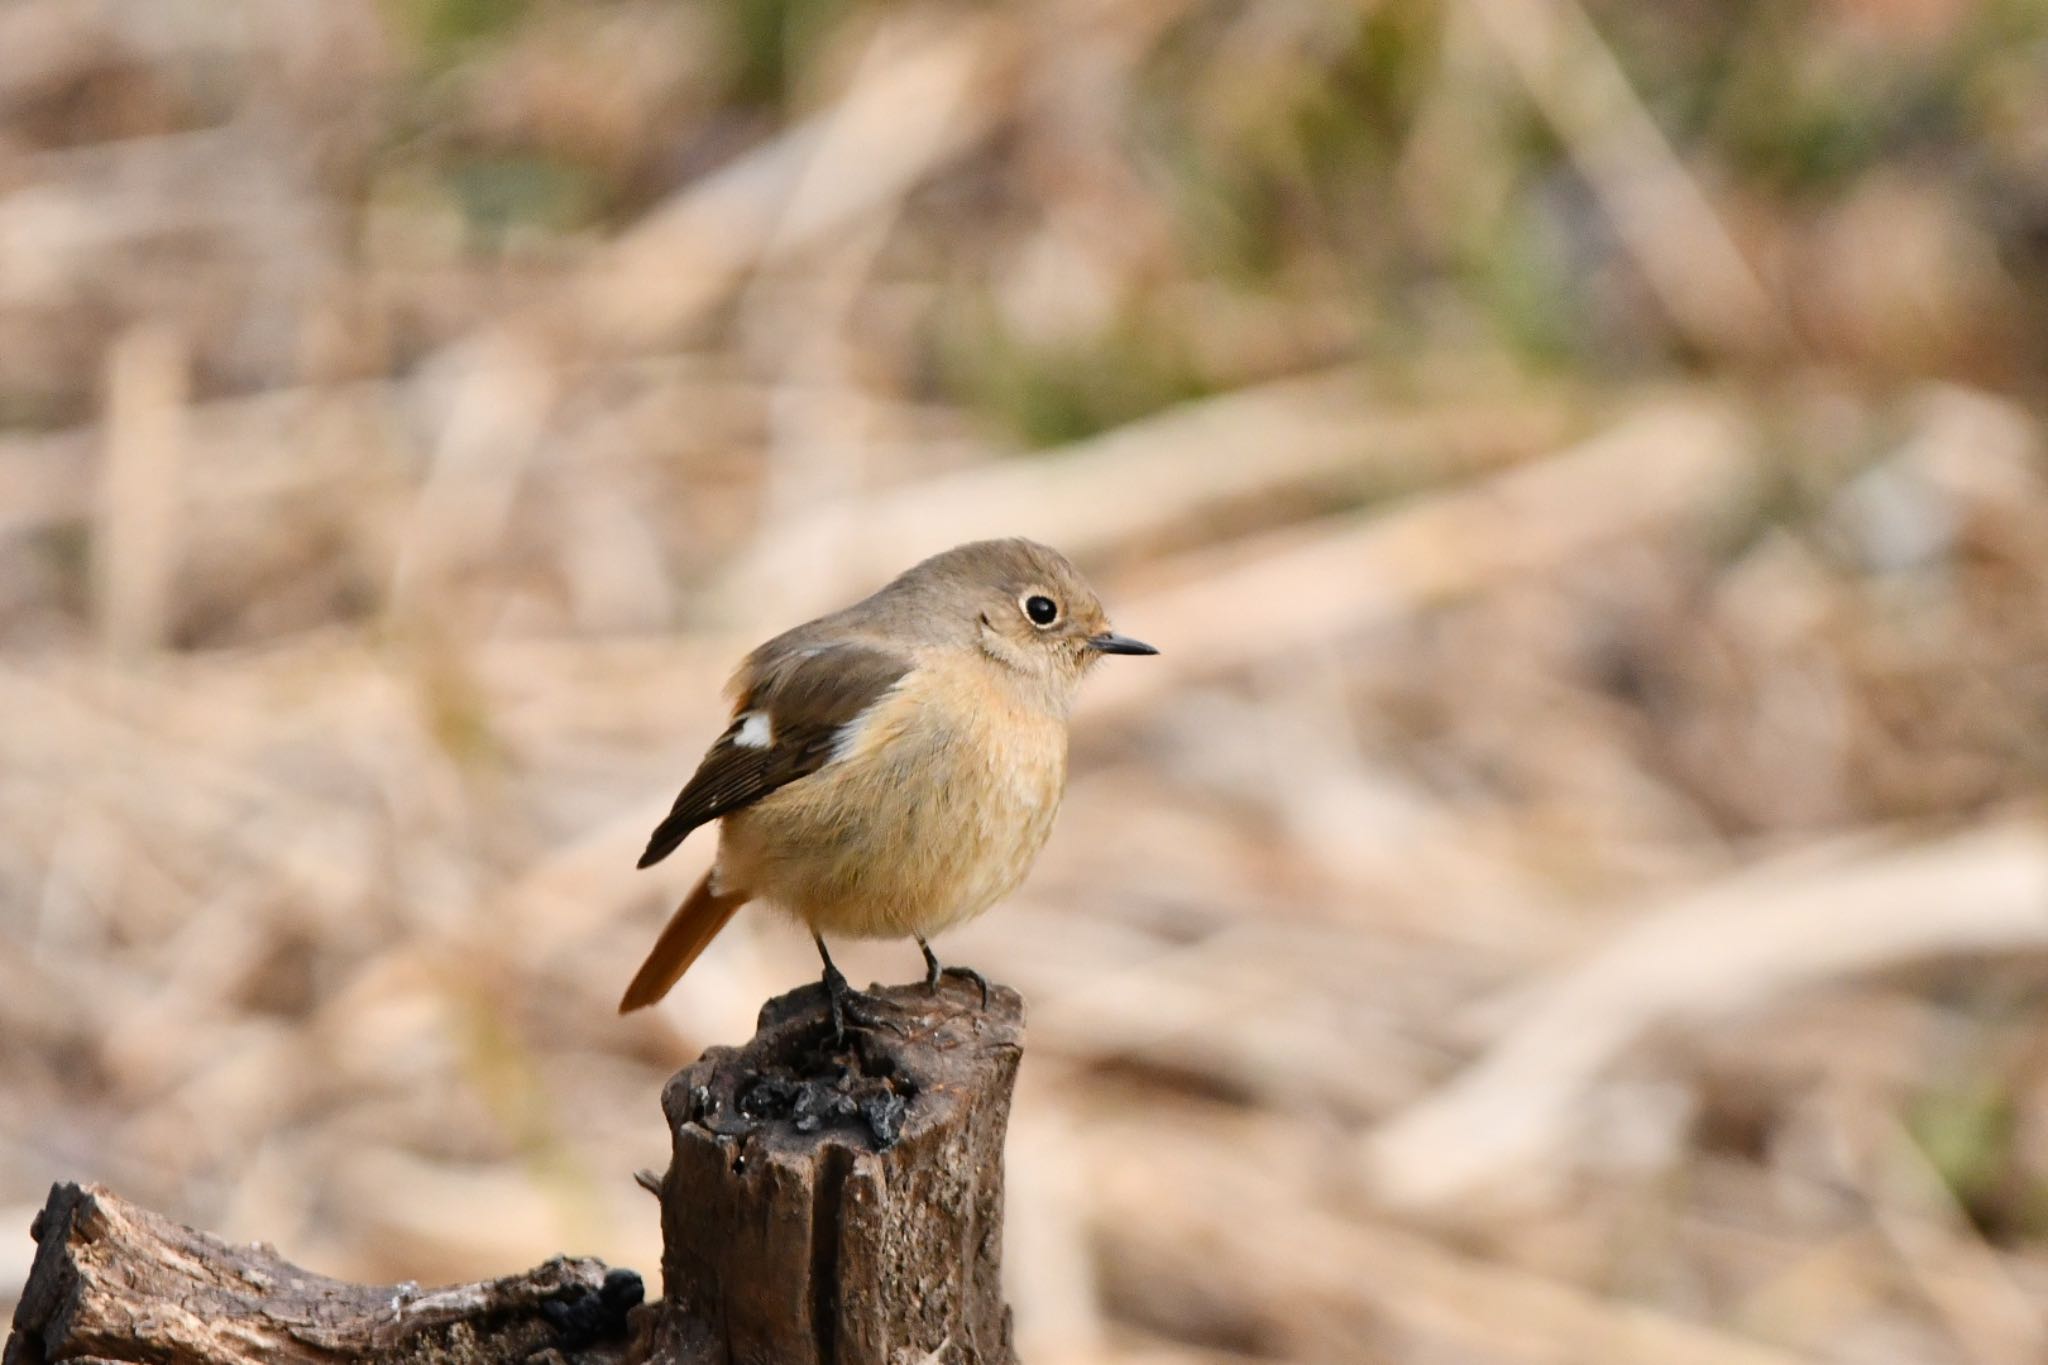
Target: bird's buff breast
[942,799]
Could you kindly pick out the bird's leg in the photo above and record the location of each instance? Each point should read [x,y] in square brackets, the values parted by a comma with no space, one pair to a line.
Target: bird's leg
[933,972]
[848,1005]
[836,990]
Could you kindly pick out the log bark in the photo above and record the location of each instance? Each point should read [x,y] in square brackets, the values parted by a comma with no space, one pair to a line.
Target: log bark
[826,1204]
[113,1281]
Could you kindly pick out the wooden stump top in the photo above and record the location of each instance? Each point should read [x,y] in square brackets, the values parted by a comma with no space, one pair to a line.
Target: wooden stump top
[844,1206]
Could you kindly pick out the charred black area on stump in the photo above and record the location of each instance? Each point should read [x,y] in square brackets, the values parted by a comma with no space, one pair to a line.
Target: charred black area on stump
[825,1205]
[873,1171]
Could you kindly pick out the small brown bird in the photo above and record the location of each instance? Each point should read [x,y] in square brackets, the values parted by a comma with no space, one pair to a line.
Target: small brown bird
[891,769]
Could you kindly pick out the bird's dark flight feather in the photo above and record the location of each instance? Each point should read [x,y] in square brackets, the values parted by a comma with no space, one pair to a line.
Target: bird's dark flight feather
[809,695]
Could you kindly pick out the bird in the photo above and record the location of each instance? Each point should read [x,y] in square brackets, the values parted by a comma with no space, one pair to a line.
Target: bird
[892,769]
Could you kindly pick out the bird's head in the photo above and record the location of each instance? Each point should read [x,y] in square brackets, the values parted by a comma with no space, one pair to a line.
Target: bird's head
[1026,607]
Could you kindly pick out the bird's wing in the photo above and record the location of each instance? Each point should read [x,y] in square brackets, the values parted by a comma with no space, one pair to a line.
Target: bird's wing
[794,702]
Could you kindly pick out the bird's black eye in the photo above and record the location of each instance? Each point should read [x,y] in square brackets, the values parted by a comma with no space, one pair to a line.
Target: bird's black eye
[1042,610]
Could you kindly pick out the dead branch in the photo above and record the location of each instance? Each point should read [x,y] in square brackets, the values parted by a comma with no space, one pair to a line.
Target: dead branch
[113,1281]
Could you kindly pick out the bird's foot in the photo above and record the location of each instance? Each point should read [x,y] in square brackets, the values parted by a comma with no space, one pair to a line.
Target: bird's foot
[852,1009]
[934,973]
[980,981]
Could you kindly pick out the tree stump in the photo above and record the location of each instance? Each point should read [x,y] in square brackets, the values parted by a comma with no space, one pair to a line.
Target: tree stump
[825,1205]
[828,1207]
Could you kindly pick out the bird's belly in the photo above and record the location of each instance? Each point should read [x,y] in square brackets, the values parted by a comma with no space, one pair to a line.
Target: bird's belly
[908,837]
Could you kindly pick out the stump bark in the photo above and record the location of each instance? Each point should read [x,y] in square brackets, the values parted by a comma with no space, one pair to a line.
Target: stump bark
[826,1204]
[843,1207]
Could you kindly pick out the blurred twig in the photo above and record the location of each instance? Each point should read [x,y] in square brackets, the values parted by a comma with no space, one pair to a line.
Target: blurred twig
[1139,480]
[1655,201]
[1753,939]
[925,94]
[1666,462]
[135,531]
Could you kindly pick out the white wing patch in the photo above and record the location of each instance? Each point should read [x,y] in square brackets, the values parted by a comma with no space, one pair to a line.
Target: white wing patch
[756,731]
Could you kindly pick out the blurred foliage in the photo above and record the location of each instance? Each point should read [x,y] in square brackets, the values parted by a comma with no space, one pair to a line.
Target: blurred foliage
[1050,393]
[1298,154]
[501,192]
[772,41]
[1968,1129]
[449,30]
[1879,164]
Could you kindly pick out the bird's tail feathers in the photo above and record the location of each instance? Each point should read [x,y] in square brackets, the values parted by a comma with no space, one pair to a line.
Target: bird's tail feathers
[690,929]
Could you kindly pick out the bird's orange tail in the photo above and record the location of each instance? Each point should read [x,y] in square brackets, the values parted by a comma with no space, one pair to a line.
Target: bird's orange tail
[694,924]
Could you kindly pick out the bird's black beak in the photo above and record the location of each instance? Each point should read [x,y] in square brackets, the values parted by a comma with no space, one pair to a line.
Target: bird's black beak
[1109,642]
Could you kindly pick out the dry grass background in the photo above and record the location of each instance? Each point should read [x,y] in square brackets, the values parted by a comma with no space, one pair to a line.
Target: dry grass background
[1575,887]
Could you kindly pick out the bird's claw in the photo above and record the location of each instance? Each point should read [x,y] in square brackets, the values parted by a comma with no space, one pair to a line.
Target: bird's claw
[980,981]
[853,1009]
[933,973]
